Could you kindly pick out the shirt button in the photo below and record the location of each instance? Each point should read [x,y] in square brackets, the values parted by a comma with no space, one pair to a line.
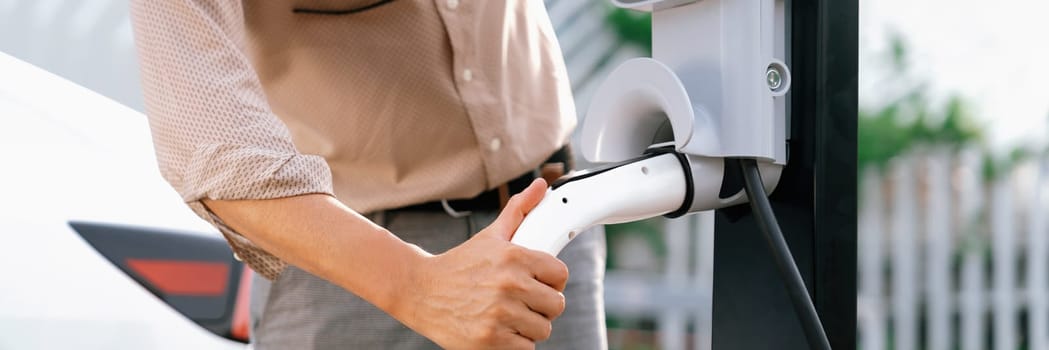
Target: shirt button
[452,4]
[237,257]
[468,75]
[495,144]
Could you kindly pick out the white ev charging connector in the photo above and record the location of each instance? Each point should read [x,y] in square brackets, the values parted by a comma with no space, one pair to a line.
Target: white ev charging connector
[714,89]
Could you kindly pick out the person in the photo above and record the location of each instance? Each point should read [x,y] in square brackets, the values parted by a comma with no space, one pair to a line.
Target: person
[359,156]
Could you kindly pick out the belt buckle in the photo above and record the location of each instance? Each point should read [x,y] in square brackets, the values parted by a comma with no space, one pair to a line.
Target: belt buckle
[548,171]
[452,212]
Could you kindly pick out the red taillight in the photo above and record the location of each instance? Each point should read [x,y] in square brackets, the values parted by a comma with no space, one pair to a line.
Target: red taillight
[241,310]
[185,278]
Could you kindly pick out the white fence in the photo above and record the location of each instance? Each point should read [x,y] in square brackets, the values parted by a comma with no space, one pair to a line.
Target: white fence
[950,261]
[678,296]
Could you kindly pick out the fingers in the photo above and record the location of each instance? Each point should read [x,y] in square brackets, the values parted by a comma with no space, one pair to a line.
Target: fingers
[516,209]
[531,195]
[502,337]
[533,326]
[543,300]
[548,269]
[514,341]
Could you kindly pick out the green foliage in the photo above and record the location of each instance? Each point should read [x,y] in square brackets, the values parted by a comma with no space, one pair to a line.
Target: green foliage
[890,130]
[995,167]
[632,26]
[899,54]
[894,128]
[901,125]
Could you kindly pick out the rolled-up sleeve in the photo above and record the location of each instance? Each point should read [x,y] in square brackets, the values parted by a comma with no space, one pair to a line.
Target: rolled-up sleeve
[214,133]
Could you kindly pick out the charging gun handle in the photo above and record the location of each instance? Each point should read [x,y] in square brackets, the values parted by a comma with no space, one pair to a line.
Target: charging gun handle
[632,190]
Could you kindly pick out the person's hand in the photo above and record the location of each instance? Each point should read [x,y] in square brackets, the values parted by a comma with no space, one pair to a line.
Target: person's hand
[488,292]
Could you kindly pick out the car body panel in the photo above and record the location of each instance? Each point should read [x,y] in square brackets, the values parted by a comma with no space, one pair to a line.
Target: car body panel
[69,154]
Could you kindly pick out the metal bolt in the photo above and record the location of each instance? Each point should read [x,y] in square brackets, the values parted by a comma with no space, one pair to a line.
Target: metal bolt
[774,78]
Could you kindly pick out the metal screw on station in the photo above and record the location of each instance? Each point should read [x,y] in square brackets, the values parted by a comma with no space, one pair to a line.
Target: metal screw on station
[774,78]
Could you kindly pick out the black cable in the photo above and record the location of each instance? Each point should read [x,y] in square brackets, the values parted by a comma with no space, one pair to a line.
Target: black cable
[788,270]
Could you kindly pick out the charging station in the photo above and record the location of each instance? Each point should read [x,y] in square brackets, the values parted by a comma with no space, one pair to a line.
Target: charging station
[741,98]
[815,200]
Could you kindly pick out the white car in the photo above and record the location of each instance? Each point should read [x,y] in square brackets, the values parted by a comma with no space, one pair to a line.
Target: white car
[78,177]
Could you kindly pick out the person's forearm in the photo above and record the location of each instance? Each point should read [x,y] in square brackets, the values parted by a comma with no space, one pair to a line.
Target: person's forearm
[319,234]
[483,293]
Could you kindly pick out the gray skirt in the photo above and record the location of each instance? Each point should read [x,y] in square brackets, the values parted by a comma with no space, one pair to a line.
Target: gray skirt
[302,311]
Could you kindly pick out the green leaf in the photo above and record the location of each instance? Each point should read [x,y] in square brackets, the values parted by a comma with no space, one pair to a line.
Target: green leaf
[632,27]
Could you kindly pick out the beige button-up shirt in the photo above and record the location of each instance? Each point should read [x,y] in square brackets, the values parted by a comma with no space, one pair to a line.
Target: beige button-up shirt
[381,103]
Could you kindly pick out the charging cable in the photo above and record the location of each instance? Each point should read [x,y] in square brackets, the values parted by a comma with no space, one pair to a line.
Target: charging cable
[788,270]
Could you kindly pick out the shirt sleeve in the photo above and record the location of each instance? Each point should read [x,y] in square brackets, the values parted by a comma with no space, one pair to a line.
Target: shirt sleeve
[214,133]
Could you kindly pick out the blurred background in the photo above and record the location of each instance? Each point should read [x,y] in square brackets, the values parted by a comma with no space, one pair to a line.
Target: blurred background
[952,154]
[954,101]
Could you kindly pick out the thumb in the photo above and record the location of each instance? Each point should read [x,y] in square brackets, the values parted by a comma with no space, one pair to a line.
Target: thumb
[516,209]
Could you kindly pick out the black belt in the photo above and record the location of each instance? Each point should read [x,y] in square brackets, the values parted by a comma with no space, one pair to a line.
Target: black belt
[490,199]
